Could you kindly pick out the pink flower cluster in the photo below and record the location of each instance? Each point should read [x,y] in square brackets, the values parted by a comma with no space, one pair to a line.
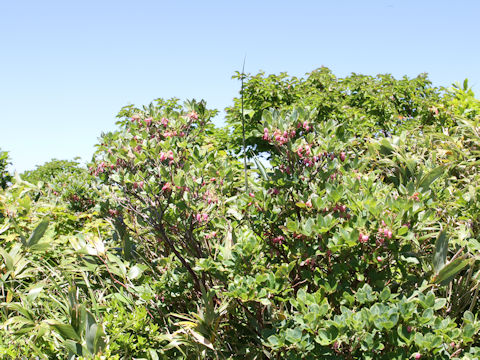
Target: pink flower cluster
[304,125]
[274,191]
[285,169]
[383,234]
[278,137]
[138,185]
[209,197]
[363,238]
[173,133]
[211,235]
[193,115]
[278,240]
[304,152]
[166,155]
[201,218]
[101,168]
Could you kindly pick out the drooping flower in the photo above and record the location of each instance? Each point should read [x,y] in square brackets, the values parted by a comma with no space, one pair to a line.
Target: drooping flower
[193,115]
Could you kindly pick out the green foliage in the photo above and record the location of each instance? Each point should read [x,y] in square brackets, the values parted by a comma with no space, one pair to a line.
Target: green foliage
[50,170]
[5,176]
[367,104]
[358,238]
[67,180]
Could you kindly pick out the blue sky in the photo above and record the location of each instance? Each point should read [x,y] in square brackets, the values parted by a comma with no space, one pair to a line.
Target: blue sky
[67,67]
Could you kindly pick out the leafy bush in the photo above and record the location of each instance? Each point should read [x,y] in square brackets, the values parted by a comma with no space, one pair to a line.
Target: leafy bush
[5,176]
[68,180]
[354,235]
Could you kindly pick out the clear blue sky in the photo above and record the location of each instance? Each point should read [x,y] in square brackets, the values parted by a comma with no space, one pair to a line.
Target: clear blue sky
[67,67]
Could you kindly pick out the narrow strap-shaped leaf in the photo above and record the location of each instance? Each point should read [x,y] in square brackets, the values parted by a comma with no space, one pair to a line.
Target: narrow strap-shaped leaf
[440,254]
[64,330]
[449,271]
[37,233]
[430,177]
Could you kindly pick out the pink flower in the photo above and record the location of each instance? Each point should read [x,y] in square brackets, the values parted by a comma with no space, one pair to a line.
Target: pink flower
[164,121]
[306,126]
[309,203]
[278,239]
[251,194]
[167,187]
[265,134]
[201,217]
[299,152]
[148,121]
[193,115]
[170,154]
[163,156]
[308,150]
[211,235]
[308,162]
[363,238]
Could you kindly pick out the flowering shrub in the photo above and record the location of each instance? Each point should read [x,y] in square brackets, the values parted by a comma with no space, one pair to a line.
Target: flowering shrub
[355,234]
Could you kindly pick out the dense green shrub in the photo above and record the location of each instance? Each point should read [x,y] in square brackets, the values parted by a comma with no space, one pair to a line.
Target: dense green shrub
[5,176]
[363,103]
[358,238]
[68,180]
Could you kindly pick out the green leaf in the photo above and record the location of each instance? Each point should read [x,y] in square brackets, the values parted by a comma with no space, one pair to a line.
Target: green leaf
[450,270]
[90,332]
[428,179]
[274,341]
[440,254]
[260,167]
[64,330]
[134,272]
[385,294]
[153,354]
[439,304]
[34,292]
[37,233]
[7,258]
[293,335]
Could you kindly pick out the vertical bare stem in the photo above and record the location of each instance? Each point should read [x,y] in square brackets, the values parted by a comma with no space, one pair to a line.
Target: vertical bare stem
[243,130]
